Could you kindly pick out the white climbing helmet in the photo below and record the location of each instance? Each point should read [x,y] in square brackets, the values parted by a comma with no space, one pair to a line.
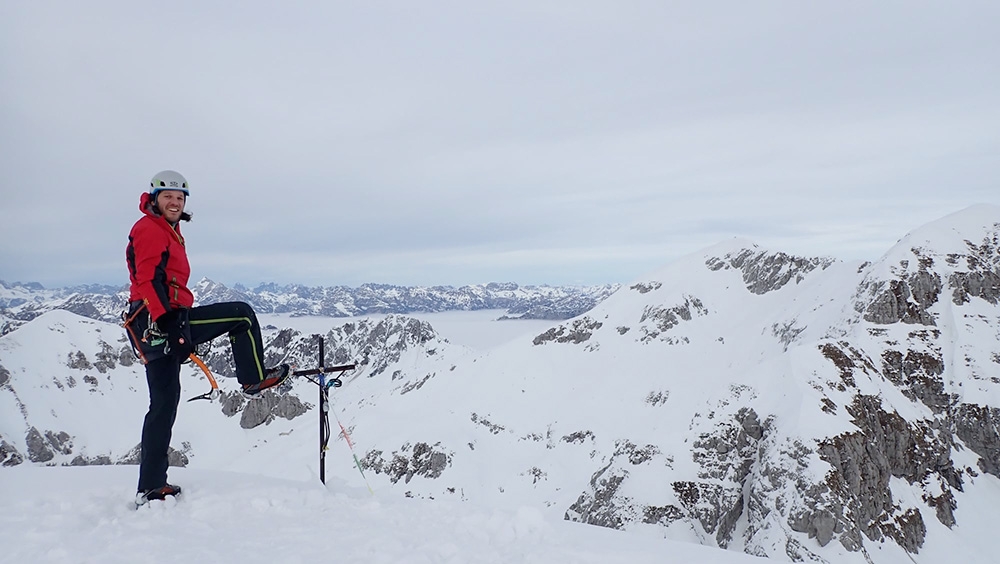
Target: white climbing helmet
[168,180]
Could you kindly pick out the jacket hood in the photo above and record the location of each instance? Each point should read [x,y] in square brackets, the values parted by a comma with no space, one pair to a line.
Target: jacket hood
[146,207]
[146,204]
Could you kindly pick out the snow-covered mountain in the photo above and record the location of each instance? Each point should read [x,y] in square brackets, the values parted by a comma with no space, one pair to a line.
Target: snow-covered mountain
[797,408]
[21,302]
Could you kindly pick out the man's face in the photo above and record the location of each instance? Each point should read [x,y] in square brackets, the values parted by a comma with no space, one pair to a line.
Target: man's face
[171,204]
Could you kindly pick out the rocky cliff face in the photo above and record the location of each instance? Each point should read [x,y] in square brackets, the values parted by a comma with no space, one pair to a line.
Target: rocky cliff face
[912,364]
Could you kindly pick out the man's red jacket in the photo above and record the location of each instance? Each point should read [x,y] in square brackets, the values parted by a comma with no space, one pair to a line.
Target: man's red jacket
[157,263]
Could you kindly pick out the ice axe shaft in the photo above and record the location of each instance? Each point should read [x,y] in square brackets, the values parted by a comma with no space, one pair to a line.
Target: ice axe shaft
[214,392]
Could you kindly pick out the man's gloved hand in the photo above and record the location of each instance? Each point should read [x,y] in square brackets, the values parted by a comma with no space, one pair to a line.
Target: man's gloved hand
[174,326]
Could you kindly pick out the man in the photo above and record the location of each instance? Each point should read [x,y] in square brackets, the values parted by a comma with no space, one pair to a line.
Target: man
[164,328]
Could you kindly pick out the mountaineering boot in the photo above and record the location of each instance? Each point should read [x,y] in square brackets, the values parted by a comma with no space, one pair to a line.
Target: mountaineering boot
[272,377]
[162,492]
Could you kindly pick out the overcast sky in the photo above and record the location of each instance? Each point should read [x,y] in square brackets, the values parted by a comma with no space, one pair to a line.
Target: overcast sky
[564,142]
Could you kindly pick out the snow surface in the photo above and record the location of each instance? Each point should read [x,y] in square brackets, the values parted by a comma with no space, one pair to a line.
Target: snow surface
[84,514]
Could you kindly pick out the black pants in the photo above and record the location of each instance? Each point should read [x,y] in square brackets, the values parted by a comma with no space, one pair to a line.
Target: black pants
[163,377]
[239,320]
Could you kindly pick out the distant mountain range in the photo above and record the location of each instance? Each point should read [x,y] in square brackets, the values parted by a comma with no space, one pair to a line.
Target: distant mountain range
[22,302]
[802,409]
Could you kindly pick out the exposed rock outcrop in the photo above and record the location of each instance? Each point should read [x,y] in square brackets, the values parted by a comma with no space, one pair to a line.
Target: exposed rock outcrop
[978,427]
[862,462]
[575,332]
[268,406]
[658,319]
[9,456]
[904,301]
[765,272]
[603,504]
[44,448]
[420,459]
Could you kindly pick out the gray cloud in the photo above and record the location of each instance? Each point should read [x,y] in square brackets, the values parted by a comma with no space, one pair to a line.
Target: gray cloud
[448,143]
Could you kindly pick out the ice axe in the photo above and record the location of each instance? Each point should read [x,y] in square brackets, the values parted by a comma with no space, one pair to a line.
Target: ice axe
[212,394]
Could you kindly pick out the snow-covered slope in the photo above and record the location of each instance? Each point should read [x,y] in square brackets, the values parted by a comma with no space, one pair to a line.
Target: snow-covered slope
[71,391]
[796,408]
[65,373]
[70,515]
